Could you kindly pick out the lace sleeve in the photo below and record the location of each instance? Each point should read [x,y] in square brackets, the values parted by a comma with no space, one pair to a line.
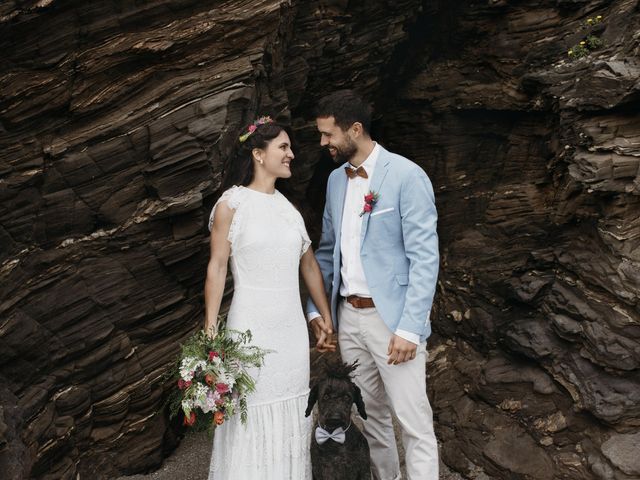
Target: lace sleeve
[306,241]
[298,221]
[233,197]
[294,218]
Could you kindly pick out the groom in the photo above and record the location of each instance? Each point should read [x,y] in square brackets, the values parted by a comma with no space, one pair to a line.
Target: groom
[379,258]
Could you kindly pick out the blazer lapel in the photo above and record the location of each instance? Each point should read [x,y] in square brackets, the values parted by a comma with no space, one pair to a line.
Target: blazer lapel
[380,172]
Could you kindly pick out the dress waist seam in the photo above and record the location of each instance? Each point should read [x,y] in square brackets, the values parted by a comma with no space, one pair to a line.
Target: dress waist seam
[266,289]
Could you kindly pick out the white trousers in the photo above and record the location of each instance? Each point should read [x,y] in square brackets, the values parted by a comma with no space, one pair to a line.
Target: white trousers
[363,336]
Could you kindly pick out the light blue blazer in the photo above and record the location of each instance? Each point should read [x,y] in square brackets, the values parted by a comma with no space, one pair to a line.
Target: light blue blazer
[399,244]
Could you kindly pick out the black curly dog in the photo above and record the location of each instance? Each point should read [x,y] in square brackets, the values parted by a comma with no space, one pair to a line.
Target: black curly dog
[335,456]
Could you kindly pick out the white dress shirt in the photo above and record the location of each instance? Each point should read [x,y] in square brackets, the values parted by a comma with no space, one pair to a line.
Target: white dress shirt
[351,271]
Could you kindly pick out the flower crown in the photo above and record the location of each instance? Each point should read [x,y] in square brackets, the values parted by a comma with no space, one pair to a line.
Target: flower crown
[252,128]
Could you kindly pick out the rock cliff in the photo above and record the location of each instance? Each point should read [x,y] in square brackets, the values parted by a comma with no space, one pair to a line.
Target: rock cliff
[116,120]
[535,157]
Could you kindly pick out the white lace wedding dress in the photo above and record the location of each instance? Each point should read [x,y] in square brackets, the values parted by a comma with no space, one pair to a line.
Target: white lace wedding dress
[267,239]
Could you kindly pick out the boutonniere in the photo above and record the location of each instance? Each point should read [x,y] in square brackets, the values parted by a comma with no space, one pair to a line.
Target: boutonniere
[370,200]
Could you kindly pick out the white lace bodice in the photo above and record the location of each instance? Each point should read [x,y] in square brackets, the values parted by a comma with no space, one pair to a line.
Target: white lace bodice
[267,237]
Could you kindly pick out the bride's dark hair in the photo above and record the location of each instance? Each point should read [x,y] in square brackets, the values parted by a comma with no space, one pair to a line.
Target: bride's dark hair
[240,167]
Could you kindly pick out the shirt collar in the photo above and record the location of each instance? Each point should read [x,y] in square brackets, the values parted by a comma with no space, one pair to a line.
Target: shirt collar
[370,162]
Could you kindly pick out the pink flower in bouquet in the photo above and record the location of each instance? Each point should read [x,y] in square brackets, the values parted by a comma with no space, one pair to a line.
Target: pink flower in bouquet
[367,207]
[213,355]
[209,379]
[368,198]
[190,420]
[222,388]
[212,400]
[218,417]
[182,385]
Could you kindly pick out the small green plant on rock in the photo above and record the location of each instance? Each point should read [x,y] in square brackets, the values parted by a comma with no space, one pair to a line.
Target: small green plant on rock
[594,42]
[589,43]
[579,51]
[593,21]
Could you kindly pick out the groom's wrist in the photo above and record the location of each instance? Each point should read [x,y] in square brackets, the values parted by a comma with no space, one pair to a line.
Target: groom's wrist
[409,336]
[312,316]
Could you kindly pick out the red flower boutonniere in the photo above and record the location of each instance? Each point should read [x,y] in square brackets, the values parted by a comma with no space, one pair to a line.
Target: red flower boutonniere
[370,200]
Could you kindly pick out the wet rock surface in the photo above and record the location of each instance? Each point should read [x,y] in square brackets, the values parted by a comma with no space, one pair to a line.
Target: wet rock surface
[115,124]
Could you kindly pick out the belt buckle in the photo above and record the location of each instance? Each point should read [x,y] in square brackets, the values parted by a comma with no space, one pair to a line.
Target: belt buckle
[352,300]
[358,302]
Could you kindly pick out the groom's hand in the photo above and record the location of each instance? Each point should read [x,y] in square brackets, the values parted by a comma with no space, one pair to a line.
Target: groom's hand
[323,334]
[400,350]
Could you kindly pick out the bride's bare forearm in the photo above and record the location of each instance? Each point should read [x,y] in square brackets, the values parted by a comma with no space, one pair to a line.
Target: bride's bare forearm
[217,267]
[312,277]
[213,291]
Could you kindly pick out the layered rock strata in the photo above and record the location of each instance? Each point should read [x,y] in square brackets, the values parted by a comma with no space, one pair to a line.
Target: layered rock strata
[115,124]
[535,159]
[116,120]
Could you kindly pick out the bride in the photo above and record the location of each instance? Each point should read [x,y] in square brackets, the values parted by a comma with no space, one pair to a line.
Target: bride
[255,227]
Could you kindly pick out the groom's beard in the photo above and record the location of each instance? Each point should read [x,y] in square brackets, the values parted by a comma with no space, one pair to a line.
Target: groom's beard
[344,153]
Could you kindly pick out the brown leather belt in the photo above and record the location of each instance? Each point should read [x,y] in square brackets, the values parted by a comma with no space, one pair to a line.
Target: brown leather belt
[360,302]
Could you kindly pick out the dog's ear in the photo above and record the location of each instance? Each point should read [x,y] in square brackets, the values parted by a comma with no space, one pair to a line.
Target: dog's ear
[313,398]
[357,399]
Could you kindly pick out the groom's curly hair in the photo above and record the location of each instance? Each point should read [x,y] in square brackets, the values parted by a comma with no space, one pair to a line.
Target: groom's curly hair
[347,108]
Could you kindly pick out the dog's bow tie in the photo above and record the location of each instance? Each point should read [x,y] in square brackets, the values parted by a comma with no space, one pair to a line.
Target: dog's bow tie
[338,435]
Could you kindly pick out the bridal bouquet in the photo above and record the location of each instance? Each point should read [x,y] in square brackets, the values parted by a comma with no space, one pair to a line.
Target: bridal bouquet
[211,379]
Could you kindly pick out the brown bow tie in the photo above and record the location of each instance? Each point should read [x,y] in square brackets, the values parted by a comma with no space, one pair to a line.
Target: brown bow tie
[355,172]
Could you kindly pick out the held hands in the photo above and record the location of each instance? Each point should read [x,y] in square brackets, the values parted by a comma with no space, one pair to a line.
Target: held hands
[400,350]
[323,331]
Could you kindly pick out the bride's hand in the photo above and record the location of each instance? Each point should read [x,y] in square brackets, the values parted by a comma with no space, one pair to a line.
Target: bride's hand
[323,334]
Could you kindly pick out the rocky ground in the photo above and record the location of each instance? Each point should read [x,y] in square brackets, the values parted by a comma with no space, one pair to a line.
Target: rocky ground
[191,462]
